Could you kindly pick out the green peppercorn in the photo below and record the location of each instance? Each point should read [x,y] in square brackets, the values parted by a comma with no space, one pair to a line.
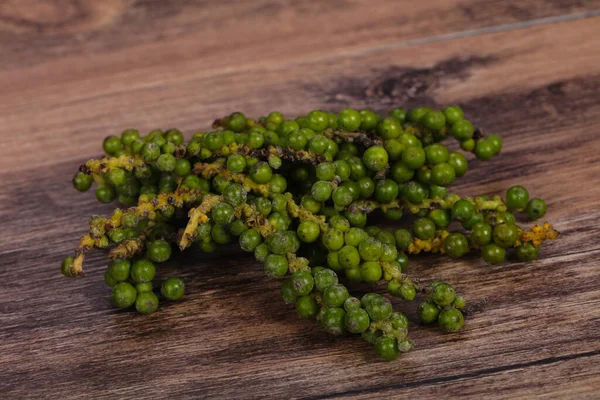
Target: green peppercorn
[493,254]
[481,234]
[378,307]
[403,239]
[111,145]
[143,271]
[349,119]
[303,282]
[287,292]
[146,303]
[307,306]
[517,198]
[158,251]
[356,320]
[428,312]
[173,289]
[456,245]
[82,182]
[443,294]
[527,252]
[505,235]
[375,157]
[536,208]
[424,228]
[333,320]
[123,295]
[66,266]
[249,239]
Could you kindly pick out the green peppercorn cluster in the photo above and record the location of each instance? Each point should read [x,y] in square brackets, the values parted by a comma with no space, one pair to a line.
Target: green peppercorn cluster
[298,194]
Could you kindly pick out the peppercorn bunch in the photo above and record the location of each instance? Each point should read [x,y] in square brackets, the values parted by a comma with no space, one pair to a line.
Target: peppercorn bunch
[300,194]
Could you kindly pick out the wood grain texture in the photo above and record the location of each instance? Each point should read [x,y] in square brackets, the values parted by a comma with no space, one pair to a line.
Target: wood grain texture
[74,71]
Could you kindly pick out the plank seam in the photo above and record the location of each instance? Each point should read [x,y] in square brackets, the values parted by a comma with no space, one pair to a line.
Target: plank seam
[483,372]
[462,34]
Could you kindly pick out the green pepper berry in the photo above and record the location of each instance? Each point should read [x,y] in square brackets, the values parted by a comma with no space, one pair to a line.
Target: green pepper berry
[333,320]
[378,307]
[146,303]
[307,306]
[462,130]
[403,239]
[342,196]
[276,265]
[143,271]
[527,252]
[335,295]
[481,234]
[536,208]
[261,252]
[493,254]
[302,282]
[462,210]
[386,190]
[443,174]
[375,158]
[456,245]
[105,193]
[424,228]
[453,114]
[123,295]
[158,251]
[443,294]
[111,145]
[356,320]
[450,320]
[370,249]
[387,348]
[82,182]
[349,119]
[287,292]
[517,198]
[399,114]
[440,217]
[485,149]
[416,114]
[434,120]
[236,163]
[308,231]
[389,128]
[249,239]
[428,312]
[399,321]
[349,257]
[143,287]
[66,265]
[324,277]
[505,235]
[413,157]
[173,289]
[321,191]
[368,120]
[119,269]
[415,192]
[370,271]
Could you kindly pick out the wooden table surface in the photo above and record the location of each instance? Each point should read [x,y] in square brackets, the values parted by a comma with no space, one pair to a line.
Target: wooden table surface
[74,71]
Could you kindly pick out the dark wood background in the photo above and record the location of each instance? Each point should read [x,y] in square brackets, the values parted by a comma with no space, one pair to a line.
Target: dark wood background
[74,71]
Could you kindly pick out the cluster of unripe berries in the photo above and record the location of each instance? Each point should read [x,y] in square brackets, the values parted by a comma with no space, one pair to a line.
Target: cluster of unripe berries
[299,195]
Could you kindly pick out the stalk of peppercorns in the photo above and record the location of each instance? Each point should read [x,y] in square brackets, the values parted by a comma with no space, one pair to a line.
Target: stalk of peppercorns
[299,194]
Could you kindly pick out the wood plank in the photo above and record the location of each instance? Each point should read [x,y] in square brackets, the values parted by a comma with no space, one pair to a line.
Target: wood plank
[559,378]
[232,336]
[38,31]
